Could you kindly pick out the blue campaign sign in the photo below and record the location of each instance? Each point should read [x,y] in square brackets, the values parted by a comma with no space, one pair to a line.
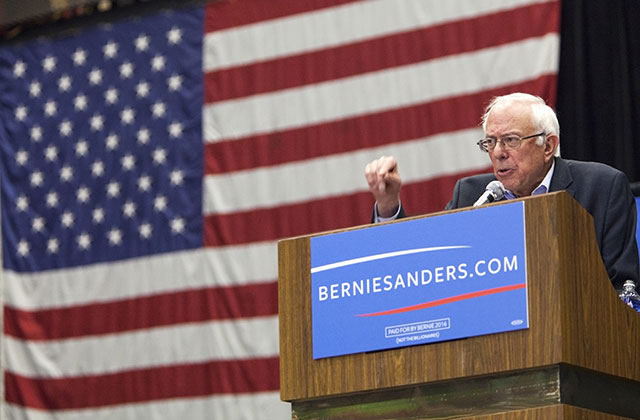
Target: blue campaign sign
[420,281]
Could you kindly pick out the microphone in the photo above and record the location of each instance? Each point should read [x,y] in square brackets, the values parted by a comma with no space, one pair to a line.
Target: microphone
[494,191]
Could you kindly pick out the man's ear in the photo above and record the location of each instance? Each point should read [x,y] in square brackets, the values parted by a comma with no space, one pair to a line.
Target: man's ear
[550,145]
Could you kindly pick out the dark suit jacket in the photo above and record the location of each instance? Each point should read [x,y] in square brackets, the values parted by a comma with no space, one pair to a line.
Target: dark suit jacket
[603,191]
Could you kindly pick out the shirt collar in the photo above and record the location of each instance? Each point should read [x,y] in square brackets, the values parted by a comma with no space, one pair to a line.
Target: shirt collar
[540,189]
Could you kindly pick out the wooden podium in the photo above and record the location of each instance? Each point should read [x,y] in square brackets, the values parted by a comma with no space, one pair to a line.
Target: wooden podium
[579,359]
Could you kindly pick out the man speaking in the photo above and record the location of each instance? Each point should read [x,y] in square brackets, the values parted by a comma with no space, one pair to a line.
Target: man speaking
[522,140]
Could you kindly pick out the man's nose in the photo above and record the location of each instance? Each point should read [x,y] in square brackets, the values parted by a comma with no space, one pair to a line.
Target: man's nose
[499,150]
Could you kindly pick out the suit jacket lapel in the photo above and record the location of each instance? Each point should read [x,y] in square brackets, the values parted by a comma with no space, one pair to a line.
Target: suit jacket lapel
[562,178]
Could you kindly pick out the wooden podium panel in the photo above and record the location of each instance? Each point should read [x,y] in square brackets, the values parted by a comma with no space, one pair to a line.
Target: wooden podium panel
[575,317]
[551,412]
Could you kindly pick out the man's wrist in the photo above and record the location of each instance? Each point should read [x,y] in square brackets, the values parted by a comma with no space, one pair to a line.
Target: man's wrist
[379,218]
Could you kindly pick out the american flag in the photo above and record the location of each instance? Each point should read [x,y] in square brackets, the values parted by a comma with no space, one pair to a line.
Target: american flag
[150,165]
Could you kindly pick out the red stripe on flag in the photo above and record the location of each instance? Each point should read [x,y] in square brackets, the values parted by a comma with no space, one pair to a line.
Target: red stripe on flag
[381,53]
[319,215]
[177,381]
[224,14]
[365,131]
[143,312]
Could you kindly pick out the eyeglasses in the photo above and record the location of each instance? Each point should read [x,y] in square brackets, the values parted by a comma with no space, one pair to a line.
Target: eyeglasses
[510,142]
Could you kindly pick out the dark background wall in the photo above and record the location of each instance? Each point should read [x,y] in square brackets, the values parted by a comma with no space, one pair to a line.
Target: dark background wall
[599,83]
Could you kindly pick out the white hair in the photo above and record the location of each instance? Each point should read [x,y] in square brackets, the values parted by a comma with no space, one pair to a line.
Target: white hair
[543,117]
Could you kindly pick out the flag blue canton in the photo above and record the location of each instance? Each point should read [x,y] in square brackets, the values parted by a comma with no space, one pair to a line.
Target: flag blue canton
[101,144]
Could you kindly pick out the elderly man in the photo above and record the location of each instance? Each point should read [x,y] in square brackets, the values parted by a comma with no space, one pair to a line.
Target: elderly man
[522,140]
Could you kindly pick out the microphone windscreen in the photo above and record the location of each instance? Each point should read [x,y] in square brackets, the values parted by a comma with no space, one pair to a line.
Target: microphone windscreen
[497,190]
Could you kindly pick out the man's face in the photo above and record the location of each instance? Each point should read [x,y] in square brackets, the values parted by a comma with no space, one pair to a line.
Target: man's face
[520,170]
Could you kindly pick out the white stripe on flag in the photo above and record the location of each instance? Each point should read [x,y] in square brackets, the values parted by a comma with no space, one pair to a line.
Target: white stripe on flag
[382,90]
[341,174]
[332,27]
[95,355]
[212,267]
